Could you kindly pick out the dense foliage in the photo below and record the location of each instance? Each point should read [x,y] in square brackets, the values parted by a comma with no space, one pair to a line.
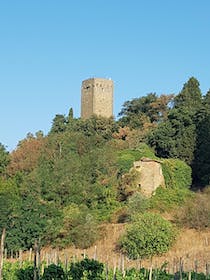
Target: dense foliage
[177,174]
[60,187]
[169,199]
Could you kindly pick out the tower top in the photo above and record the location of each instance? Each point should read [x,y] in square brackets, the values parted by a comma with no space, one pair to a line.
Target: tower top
[97,78]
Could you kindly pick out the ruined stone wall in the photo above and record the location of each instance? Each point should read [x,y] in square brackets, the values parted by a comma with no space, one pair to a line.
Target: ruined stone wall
[151,175]
[97,98]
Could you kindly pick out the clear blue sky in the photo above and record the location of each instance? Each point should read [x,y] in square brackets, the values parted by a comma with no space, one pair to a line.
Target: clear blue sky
[47,47]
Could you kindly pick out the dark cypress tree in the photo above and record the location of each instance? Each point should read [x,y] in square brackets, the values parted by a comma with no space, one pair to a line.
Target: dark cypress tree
[201,164]
[177,136]
[190,96]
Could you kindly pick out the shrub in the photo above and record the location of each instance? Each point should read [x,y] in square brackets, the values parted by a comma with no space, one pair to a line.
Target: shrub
[148,235]
[146,151]
[127,157]
[79,228]
[120,215]
[10,270]
[137,203]
[167,199]
[128,185]
[195,213]
[177,173]
[54,272]
[91,268]
[84,235]
[25,273]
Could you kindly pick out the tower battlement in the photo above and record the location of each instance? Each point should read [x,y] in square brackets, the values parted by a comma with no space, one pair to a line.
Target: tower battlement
[97,98]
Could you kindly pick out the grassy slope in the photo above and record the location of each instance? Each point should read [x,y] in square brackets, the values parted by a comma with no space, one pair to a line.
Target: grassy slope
[192,247]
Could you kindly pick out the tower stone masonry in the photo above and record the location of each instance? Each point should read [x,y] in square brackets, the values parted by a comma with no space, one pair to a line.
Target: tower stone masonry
[97,98]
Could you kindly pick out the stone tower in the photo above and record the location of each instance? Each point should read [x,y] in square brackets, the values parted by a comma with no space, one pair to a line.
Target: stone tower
[97,98]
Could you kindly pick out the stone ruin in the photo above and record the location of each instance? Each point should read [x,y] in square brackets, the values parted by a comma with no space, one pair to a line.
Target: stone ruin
[151,175]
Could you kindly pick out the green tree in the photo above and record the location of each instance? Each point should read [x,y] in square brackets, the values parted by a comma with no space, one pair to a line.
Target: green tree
[147,236]
[70,115]
[177,136]
[4,159]
[70,121]
[9,201]
[162,140]
[28,222]
[86,233]
[149,108]
[25,157]
[59,124]
[77,227]
[201,164]
[190,96]
[24,215]
[97,126]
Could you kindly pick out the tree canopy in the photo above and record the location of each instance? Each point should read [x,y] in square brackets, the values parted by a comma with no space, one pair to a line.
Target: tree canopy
[150,108]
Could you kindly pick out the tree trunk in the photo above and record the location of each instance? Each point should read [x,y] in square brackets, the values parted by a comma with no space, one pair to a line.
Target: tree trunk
[2,252]
[35,260]
[150,270]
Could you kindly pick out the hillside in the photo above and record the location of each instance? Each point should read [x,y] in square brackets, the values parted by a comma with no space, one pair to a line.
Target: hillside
[61,188]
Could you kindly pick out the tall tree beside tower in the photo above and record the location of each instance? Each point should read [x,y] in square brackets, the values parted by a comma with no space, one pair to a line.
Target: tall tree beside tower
[180,128]
[201,164]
